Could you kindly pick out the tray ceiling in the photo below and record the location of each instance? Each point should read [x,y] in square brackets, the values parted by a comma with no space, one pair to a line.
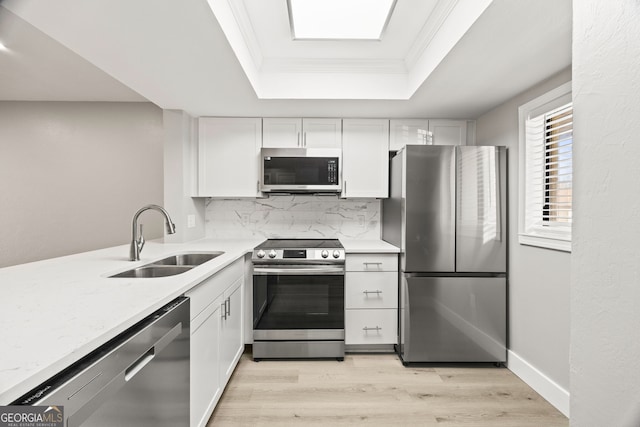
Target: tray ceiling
[178,56]
[419,35]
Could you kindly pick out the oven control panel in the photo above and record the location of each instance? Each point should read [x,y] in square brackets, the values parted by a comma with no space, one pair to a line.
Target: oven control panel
[330,255]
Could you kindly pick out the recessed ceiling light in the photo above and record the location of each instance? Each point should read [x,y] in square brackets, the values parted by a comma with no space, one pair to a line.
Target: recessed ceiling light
[339,19]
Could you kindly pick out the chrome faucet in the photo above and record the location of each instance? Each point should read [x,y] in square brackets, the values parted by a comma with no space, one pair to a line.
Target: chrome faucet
[137,243]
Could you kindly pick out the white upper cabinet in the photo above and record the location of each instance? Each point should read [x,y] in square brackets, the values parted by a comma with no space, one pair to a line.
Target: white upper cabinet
[408,131]
[365,158]
[281,133]
[301,133]
[448,132]
[322,133]
[229,157]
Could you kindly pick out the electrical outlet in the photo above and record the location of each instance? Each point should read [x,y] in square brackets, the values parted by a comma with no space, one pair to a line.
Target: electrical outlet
[361,220]
[191,221]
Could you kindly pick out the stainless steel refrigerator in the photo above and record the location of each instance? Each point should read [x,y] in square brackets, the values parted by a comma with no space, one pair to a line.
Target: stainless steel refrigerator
[447,211]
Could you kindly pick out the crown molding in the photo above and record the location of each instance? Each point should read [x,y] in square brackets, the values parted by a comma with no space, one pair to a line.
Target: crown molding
[333,65]
[430,28]
[239,11]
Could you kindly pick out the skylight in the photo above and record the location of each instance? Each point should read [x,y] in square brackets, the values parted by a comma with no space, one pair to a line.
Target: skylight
[339,19]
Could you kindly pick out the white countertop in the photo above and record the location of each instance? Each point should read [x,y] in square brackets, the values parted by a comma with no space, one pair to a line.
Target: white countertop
[353,246]
[56,311]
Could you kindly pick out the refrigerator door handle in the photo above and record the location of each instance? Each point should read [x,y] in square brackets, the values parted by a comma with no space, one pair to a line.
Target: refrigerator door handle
[498,233]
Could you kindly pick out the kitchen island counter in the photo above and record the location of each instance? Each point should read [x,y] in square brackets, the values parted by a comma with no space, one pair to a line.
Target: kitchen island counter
[56,311]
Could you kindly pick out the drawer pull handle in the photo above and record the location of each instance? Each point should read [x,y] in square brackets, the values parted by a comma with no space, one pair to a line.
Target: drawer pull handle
[377,329]
[372,292]
[376,265]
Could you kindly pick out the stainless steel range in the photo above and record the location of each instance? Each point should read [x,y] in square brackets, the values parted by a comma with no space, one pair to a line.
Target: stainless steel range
[298,299]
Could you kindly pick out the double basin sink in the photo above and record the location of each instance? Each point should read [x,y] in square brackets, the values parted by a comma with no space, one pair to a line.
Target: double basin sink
[169,266]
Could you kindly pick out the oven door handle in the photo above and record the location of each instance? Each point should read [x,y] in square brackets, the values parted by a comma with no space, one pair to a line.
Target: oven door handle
[298,271]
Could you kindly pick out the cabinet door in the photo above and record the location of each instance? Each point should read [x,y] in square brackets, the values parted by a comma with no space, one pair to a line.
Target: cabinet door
[281,132]
[205,388]
[448,132]
[408,131]
[231,340]
[371,290]
[365,158]
[229,157]
[322,133]
[371,327]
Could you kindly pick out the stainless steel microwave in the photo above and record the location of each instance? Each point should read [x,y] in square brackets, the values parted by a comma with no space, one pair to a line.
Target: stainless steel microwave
[301,170]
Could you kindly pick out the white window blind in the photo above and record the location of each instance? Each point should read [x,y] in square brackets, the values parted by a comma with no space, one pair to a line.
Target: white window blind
[546,176]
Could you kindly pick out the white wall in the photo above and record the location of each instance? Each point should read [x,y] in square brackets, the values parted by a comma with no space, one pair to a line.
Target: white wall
[539,279]
[605,273]
[72,174]
[180,168]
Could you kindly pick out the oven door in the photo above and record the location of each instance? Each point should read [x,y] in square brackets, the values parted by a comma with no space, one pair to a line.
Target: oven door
[298,302]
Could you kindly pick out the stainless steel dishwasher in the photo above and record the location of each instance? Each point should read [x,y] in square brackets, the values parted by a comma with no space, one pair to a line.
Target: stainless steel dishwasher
[140,378]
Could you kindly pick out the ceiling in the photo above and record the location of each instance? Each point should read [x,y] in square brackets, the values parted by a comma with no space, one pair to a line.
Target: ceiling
[438,58]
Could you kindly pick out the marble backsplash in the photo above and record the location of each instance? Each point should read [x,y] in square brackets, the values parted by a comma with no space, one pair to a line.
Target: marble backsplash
[288,216]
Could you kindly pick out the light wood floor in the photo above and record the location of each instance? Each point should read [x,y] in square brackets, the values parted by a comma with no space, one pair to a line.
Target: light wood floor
[376,389]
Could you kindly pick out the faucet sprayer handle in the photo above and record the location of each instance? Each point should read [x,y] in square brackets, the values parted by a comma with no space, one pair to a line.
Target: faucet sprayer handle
[140,239]
[171,227]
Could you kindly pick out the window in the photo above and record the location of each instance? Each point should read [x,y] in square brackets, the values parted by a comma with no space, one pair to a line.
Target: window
[339,19]
[546,170]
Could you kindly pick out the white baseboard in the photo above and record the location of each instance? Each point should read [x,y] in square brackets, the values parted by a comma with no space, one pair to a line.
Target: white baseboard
[545,386]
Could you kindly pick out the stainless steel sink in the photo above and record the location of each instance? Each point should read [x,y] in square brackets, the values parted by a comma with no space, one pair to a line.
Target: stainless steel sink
[188,259]
[170,266]
[154,271]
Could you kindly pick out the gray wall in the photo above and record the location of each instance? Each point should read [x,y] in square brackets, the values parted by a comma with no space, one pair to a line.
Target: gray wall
[72,174]
[538,278]
[605,273]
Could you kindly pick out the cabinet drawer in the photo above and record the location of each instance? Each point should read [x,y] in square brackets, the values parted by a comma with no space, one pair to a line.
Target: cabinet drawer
[371,290]
[208,290]
[371,326]
[371,262]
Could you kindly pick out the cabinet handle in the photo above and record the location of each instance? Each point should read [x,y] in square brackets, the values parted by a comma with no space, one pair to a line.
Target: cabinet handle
[377,329]
[298,139]
[223,308]
[304,143]
[377,264]
[345,189]
[258,186]
[372,292]
[227,304]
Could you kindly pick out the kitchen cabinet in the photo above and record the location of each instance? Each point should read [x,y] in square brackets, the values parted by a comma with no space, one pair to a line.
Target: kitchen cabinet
[371,299]
[448,132]
[216,338]
[231,330]
[365,158]
[301,133]
[408,131]
[229,157]
[205,385]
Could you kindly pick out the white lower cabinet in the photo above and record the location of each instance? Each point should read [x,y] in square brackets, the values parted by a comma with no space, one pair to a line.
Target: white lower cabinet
[231,340]
[371,326]
[205,387]
[216,338]
[371,299]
